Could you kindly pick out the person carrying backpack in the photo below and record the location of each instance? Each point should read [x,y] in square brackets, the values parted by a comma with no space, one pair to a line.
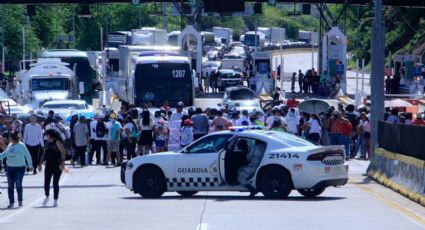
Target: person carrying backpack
[101,139]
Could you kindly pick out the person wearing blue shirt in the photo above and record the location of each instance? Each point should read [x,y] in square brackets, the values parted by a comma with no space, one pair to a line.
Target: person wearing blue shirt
[16,154]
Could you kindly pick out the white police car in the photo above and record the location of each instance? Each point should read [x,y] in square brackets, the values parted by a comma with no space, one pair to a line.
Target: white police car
[213,162]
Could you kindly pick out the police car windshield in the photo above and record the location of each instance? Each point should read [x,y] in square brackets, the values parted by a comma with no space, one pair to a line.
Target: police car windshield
[290,140]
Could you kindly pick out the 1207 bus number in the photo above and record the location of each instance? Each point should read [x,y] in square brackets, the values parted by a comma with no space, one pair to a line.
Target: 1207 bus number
[178,73]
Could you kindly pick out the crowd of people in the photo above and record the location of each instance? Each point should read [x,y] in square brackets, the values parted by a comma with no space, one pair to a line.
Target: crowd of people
[109,138]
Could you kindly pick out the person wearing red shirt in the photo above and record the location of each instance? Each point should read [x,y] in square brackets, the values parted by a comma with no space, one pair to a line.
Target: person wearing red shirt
[291,103]
[419,121]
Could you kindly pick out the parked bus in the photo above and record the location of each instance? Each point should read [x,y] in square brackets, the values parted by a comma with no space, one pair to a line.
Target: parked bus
[156,77]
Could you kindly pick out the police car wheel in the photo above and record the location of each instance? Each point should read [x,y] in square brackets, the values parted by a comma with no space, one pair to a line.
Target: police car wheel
[275,183]
[187,193]
[310,193]
[150,182]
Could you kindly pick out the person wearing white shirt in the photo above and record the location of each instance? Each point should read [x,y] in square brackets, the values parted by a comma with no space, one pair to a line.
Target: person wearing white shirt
[276,116]
[315,129]
[33,139]
[93,144]
[292,121]
[178,114]
[244,119]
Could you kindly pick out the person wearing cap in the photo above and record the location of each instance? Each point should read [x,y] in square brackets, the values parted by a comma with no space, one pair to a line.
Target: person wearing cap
[186,135]
[81,140]
[178,114]
[113,142]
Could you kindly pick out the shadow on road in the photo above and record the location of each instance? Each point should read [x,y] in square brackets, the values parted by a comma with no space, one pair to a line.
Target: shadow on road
[238,198]
[77,186]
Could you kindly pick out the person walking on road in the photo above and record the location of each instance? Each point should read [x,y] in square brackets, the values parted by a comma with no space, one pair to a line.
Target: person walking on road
[101,140]
[33,139]
[54,159]
[81,140]
[17,156]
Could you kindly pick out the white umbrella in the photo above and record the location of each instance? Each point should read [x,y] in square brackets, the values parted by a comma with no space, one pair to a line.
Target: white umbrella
[397,103]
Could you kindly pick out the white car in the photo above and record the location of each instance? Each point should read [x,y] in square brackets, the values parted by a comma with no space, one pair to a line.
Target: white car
[212,164]
[240,95]
[64,108]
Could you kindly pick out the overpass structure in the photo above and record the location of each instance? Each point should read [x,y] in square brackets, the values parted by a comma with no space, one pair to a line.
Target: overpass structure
[407,3]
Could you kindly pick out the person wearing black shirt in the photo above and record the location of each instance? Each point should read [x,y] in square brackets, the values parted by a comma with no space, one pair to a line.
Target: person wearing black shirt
[54,159]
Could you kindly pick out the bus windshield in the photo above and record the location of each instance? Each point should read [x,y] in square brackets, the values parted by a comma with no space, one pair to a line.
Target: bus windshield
[156,82]
[250,40]
[50,83]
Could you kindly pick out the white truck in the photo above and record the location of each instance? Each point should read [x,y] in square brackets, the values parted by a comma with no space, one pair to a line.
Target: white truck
[226,34]
[308,37]
[48,79]
[148,36]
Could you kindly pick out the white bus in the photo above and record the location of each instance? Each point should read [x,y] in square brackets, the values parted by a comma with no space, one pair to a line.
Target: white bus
[158,76]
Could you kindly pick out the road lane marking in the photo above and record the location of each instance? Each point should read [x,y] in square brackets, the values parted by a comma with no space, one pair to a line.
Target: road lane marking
[202,226]
[412,215]
[9,217]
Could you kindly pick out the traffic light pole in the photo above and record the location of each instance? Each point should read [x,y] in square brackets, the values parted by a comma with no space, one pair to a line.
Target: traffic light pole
[377,78]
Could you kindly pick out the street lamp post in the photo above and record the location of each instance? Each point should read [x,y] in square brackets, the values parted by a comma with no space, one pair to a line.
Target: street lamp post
[378,65]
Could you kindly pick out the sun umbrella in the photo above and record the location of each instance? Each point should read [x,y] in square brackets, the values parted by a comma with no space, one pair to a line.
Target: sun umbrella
[314,106]
[87,114]
[397,103]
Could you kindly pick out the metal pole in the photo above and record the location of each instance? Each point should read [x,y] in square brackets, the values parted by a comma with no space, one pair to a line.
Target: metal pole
[320,51]
[255,42]
[23,44]
[281,73]
[378,65]
[3,41]
[363,63]
[357,76]
[281,60]
[312,56]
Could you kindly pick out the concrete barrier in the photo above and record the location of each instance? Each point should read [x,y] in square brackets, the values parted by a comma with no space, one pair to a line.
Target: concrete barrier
[403,174]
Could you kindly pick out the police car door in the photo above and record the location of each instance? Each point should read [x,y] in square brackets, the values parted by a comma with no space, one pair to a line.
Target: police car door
[196,168]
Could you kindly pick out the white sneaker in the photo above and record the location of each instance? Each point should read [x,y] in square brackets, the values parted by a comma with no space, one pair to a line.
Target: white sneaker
[55,203]
[45,201]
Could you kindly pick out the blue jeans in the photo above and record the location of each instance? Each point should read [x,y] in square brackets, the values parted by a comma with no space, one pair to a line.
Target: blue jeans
[334,138]
[14,177]
[344,140]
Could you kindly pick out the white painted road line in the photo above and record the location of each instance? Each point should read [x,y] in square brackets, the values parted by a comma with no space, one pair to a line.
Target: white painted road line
[202,226]
[10,217]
